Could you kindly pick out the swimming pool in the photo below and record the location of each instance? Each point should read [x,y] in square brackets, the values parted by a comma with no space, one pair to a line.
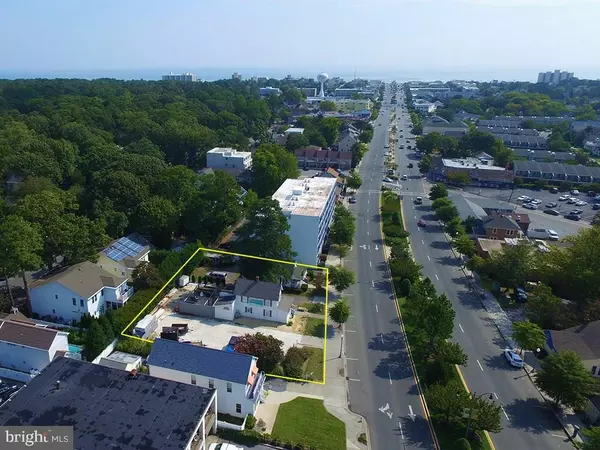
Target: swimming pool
[75,348]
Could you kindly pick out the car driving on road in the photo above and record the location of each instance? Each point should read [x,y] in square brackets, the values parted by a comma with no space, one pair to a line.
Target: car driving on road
[422,223]
[418,201]
[513,358]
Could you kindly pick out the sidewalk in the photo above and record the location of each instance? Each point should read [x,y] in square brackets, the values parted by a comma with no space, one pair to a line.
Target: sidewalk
[566,416]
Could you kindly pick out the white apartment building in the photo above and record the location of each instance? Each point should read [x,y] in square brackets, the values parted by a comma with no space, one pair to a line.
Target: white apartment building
[187,76]
[554,77]
[424,107]
[308,205]
[228,158]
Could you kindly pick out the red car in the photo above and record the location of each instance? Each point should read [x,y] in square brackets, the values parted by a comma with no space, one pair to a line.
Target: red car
[422,223]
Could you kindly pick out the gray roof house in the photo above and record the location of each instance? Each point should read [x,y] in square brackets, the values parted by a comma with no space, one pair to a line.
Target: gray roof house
[347,140]
[582,339]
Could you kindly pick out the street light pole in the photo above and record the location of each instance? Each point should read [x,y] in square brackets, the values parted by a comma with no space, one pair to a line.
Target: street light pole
[342,344]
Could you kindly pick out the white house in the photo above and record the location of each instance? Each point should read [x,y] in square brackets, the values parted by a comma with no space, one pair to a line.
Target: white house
[228,158]
[84,288]
[262,300]
[424,106]
[235,376]
[347,141]
[308,205]
[122,256]
[593,147]
[26,348]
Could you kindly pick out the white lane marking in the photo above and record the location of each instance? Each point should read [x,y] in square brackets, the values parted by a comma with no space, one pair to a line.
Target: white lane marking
[479,364]
[353,379]
[382,341]
[367,220]
[350,331]
[370,264]
[505,415]
[352,359]
[428,258]
[376,308]
[496,395]
[461,329]
[436,277]
[372,283]
[401,432]
[415,217]
[368,233]
[368,201]
[390,377]
[557,435]
[422,242]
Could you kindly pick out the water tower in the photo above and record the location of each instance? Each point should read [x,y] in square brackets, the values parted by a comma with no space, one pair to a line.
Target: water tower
[322,78]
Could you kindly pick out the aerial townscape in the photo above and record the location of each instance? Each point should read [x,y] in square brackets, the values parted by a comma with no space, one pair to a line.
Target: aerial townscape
[390,242]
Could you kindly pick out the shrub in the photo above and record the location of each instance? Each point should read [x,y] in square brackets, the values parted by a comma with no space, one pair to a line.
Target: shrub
[405,286]
[294,361]
[362,438]
[250,422]
[135,347]
[278,370]
[304,287]
[461,444]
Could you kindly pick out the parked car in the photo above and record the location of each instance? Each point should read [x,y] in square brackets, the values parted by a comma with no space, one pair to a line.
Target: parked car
[554,191]
[404,177]
[513,358]
[224,446]
[576,211]
[551,205]
[521,295]
[536,201]
[419,201]
[591,194]
[571,201]
[422,223]
[529,206]
[352,200]
[581,203]
[386,146]
[410,165]
[574,217]
[596,206]
[574,192]
[563,198]
[552,212]
[553,235]
[388,180]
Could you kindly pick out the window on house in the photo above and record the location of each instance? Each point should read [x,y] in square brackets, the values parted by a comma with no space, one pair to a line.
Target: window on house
[211,383]
[494,230]
[229,387]
[194,379]
[509,232]
[80,302]
[268,313]
[594,368]
[248,309]
[74,302]
[238,408]
[56,296]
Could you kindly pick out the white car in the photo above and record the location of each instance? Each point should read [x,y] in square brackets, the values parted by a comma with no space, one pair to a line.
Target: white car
[523,198]
[581,203]
[404,177]
[529,206]
[388,180]
[553,235]
[536,201]
[513,358]
[224,447]
[574,192]
[563,198]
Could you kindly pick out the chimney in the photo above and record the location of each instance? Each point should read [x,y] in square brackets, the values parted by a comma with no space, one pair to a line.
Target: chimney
[58,384]
[257,278]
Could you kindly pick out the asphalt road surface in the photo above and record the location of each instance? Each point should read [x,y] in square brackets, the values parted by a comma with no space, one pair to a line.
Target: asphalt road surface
[382,386]
[527,421]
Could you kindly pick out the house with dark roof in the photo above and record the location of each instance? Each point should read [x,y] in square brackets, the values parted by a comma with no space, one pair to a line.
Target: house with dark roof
[347,140]
[582,339]
[68,293]
[26,348]
[531,171]
[123,255]
[262,300]
[235,376]
[313,157]
[501,226]
[110,408]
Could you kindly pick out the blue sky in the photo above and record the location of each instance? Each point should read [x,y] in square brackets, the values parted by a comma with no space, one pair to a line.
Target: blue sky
[333,35]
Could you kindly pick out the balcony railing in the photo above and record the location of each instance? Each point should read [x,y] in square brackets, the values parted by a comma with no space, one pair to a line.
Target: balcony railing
[125,295]
[255,391]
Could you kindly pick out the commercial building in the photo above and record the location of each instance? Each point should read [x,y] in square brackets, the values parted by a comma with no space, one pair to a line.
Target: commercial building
[308,205]
[265,91]
[345,92]
[187,76]
[314,157]
[309,92]
[531,170]
[480,171]
[110,408]
[235,376]
[554,77]
[228,158]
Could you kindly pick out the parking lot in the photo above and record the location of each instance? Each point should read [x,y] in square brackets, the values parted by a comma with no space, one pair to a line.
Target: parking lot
[562,226]
[216,334]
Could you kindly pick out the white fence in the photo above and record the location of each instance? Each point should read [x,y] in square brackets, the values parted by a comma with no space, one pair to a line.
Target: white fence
[231,426]
[107,351]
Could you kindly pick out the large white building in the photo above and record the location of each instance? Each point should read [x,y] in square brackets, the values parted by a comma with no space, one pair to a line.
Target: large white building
[228,158]
[424,107]
[308,205]
[554,77]
[187,76]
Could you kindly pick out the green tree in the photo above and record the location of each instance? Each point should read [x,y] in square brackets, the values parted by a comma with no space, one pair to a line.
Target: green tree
[451,353]
[461,178]
[438,191]
[565,379]
[514,265]
[295,141]
[446,401]
[461,444]
[454,227]
[264,235]
[528,335]
[340,311]
[447,213]
[546,310]
[425,164]
[353,181]
[592,441]
[439,202]
[404,287]
[21,246]
[343,227]
[293,362]
[96,340]
[341,277]
[268,349]
[157,217]
[342,250]
[330,128]
[464,245]
[327,105]
[271,166]
[485,415]
[146,275]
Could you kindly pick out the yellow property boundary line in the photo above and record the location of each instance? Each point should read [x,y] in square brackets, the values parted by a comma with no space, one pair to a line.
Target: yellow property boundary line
[459,371]
[210,250]
[401,322]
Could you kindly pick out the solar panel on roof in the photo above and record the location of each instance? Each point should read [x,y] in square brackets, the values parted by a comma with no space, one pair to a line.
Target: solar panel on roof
[115,254]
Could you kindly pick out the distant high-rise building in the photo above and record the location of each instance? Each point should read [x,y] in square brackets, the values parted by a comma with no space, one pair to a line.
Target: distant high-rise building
[187,76]
[236,76]
[554,77]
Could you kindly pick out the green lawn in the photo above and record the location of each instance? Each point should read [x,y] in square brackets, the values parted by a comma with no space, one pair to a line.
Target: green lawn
[314,364]
[306,421]
[314,327]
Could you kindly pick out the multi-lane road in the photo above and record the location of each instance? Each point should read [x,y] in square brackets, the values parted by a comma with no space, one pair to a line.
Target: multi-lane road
[381,382]
[382,386]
